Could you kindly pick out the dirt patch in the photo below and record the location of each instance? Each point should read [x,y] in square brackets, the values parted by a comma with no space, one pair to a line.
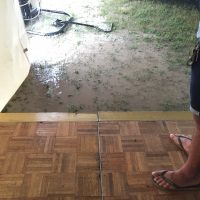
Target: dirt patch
[84,70]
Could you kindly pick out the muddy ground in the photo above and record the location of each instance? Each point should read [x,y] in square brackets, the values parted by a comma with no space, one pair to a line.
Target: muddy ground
[84,70]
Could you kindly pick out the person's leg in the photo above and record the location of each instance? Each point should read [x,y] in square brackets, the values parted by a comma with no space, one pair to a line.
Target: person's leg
[189,173]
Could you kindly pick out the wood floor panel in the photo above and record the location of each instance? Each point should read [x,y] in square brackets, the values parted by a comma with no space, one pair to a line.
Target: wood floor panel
[21,144]
[118,198]
[111,144]
[115,185]
[62,183]
[60,160]
[181,127]
[133,150]
[65,162]
[136,162]
[87,128]
[139,183]
[88,184]
[133,143]
[49,160]
[167,143]
[4,141]
[114,162]
[109,128]
[7,128]
[87,161]
[39,163]
[13,163]
[186,127]
[25,129]
[66,145]
[152,127]
[87,144]
[67,129]
[129,128]
[47,129]
[88,198]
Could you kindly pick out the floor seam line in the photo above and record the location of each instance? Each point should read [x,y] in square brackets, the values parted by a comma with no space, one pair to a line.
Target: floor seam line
[100,158]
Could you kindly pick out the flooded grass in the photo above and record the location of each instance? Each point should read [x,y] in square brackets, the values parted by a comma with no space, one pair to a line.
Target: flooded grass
[84,70]
[173,23]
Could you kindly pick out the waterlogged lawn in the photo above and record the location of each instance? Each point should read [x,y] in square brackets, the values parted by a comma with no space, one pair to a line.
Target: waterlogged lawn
[173,23]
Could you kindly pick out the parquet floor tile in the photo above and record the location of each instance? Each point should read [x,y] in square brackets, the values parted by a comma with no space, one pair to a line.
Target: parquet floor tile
[61,160]
[132,150]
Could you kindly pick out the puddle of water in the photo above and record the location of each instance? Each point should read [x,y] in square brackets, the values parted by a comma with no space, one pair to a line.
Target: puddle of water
[85,70]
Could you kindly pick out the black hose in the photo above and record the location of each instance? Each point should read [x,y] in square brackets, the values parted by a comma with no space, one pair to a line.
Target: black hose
[63,24]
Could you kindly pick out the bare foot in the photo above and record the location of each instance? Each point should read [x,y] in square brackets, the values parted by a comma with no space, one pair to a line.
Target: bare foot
[183,142]
[175,180]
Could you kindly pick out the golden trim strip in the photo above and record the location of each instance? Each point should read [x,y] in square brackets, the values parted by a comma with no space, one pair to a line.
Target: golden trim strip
[103,116]
[50,117]
[144,116]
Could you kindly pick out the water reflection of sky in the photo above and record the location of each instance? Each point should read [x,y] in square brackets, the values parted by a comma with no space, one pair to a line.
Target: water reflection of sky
[50,75]
[52,55]
[55,48]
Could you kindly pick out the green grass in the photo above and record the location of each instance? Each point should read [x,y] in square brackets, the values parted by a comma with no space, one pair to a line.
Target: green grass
[173,23]
[170,106]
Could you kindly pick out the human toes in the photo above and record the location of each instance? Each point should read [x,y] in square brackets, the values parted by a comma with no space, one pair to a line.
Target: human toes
[156,174]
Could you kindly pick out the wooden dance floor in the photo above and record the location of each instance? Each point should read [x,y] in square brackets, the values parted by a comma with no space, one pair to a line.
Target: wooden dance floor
[88,158]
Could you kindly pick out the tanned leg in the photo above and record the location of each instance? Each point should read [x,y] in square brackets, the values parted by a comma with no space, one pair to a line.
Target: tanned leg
[189,173]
